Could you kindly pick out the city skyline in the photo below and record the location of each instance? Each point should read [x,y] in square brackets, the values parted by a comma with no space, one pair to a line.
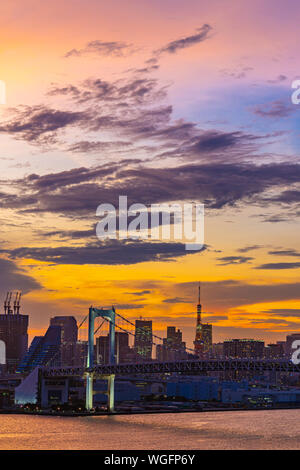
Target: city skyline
[140,343]
[160,103]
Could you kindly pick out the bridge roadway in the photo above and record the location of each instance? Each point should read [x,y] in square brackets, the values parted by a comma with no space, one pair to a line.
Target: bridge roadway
[187,367]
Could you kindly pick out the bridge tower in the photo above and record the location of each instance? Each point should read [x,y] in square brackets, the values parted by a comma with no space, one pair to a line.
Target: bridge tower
[108,314]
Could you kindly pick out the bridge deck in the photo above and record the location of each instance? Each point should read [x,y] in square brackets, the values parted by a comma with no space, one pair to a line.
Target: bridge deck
[194,366]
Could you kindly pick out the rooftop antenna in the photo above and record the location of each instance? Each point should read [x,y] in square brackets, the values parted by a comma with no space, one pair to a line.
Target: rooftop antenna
[17,303]
[9,310]
[6,303]
[199,306]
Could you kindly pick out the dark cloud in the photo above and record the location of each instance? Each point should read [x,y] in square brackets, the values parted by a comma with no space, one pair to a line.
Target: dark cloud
[106,48]
[201,35]
[128,306]
[279,79]
[120,94]
[125,105]
[286,197]
[112,252]
[92,146]
[139,293]
[279,266]
[38,123]
[81,190]
[71,234]
[284,312]
[176,300]
[278,218]
[227,260]
[292,253]
[14,278]
[212,140]
[246,249]
[275,109]
[214,318]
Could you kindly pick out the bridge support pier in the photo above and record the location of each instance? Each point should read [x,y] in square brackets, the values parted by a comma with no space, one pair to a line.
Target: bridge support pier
[89,391]
[111,393]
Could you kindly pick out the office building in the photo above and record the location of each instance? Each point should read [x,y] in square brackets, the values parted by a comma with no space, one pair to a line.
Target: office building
[13,331]
[143,339]
[122,349]
[244,348]
[69,329]
[207,337]
[173,348]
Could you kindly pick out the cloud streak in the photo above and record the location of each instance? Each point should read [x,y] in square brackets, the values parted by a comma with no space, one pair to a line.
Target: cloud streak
[172,47]
[102,48]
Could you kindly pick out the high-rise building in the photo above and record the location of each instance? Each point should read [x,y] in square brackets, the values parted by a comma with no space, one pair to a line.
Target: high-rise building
[122,348]
[69,336]
[173,348]
[143,338]
[203,337]
[102,349]
[69,329]
[13,331]
[244,348]
[207,337]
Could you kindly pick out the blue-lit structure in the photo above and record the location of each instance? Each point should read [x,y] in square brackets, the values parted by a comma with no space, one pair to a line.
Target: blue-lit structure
[41,350]
[109,315]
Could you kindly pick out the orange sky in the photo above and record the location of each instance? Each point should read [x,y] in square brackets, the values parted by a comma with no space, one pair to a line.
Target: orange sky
[233,86]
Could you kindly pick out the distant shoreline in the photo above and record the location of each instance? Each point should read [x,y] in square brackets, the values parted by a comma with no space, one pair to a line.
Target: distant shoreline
[141,412]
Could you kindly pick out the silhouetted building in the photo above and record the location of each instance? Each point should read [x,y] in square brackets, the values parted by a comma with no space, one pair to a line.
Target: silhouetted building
[80,355]
[173,348]
[122,349]
[69,329]
[102,349]
[13,331]
[143,338]
[43,350]
[218,349]
[244,348]
[74,354]
[274,351]
[207,337]
[289,343]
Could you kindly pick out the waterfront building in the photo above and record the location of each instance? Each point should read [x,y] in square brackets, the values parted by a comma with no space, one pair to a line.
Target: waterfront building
[13,332]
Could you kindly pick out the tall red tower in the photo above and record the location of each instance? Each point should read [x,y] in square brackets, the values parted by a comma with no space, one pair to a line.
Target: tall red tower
[198,343]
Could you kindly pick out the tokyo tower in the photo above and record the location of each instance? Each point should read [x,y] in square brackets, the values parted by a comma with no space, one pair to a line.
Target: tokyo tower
[198,343]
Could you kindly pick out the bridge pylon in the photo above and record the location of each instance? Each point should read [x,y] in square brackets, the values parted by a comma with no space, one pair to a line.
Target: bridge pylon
[108,314]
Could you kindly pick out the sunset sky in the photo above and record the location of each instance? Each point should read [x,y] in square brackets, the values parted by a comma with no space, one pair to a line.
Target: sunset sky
[161,101]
